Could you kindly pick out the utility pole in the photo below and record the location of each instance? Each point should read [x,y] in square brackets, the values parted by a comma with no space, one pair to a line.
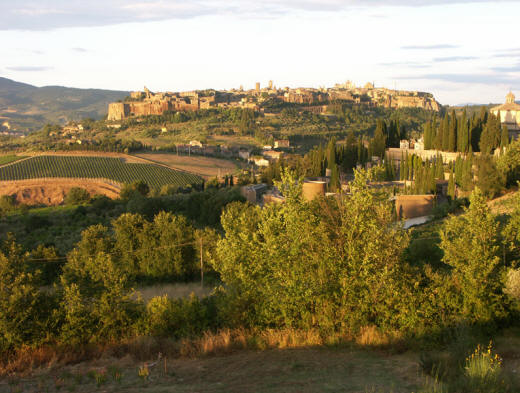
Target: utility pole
[201,266]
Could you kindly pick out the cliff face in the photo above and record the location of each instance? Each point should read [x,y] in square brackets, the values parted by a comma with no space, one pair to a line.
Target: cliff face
[427,103]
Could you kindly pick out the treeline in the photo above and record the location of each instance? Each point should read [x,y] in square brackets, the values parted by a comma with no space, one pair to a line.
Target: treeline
[242,117]
[482,132]
[60,228]
[334,265]
[342,157]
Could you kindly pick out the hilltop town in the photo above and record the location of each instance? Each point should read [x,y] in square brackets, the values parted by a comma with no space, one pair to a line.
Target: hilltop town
[260,99]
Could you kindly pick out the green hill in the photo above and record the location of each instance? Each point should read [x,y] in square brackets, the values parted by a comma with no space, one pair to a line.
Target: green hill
[28,108]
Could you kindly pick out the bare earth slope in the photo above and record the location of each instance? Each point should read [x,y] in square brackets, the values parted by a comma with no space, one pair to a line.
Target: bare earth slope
[53,191]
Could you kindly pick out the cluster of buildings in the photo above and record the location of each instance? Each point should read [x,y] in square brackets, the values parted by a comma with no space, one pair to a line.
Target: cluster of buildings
[313,99]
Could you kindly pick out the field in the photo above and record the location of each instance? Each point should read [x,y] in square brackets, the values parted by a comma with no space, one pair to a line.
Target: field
[281,371]
[206,167]
[9,158]
[114,169]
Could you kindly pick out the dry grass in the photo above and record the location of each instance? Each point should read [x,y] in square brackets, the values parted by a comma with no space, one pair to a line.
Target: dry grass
[207,167]
[174,291]
[371,336]
[291,370]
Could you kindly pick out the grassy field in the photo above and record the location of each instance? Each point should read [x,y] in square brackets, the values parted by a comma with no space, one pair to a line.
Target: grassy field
[206,167]
[283,371]
[9,158]
[95,167]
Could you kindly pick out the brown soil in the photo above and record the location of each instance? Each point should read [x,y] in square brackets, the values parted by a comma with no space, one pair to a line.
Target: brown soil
[53,192]
[207,167]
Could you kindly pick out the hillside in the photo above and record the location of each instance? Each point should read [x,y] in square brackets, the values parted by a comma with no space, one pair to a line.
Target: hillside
[28,108]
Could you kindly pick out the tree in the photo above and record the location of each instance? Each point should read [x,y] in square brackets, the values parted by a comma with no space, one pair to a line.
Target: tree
[76,196]
[130,190]
[451,186]
[24,307]
[452,135]
[378,143]
[331,264]
[470,245]
[504,137]
[489,179]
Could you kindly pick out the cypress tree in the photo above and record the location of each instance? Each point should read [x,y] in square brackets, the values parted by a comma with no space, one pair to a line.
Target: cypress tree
[427,136]
[438,136]
[402,167]
[451,186]
[439,168]
[452,136]
[504,138]
[334,179]
[445,133]
[331,154]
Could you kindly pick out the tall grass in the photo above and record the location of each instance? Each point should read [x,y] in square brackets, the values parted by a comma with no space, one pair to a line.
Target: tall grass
[174,291]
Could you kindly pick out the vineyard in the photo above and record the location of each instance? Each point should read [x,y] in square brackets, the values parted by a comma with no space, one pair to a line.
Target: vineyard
[8,159]
[96,168]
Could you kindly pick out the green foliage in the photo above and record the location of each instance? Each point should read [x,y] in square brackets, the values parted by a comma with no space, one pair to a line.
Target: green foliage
[77,196]
[349,246]
[184,317]
[23,316]
[509,163]
[136,188]
[7,204]
[489,179]
[470,245]
[96,301]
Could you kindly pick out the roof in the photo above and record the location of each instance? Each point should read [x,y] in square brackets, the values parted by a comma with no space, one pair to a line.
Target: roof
[507,107]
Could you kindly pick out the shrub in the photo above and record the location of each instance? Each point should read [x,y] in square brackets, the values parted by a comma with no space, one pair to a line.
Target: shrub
[179,317]
[77,196]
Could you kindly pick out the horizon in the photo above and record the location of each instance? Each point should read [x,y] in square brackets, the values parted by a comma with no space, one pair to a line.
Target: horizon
[178,46]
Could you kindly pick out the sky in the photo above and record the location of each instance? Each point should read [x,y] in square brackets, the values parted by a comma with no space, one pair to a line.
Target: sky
[462,51]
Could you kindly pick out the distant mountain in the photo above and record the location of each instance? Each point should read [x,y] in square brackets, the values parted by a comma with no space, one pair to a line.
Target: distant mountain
[28,108]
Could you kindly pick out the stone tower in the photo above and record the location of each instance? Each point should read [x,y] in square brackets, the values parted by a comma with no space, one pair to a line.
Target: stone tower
[510,98]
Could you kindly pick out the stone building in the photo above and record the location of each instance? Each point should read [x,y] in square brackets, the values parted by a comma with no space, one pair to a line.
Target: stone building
[509,114]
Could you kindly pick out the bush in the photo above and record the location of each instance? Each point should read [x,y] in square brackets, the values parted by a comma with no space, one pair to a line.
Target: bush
[180,317]
[77,196]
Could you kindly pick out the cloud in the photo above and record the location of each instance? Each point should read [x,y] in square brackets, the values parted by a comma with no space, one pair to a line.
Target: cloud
[29,68]
[78,49]
[51,14]
[409,64]
[428,47]
[508,53]
[454,58]
[515,68]
[485,79]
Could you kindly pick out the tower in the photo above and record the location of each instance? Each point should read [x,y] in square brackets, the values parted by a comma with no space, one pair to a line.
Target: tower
[270,85]
[510,98]
[257,86]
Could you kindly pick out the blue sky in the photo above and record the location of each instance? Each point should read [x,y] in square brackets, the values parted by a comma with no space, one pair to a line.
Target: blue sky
[462,51]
